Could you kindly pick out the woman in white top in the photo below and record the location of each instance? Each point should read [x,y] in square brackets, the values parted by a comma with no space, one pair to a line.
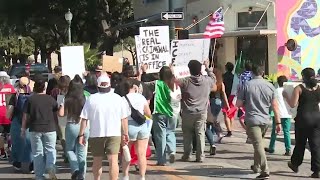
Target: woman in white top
[138,134]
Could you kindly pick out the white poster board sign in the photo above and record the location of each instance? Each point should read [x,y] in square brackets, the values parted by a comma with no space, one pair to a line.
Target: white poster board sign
[72,60]
[154,47]
[183,71]
[182,51]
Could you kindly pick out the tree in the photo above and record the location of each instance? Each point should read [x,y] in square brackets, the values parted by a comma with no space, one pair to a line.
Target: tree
[128,44]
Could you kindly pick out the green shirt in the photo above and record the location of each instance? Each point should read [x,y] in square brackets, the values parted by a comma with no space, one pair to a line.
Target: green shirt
[162,99]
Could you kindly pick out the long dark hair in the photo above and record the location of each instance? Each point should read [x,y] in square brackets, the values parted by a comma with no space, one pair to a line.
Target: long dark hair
[74,101]
[167,76]
[309,77]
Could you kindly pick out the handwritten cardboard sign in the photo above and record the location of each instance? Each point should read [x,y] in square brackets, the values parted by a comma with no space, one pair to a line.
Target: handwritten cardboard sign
[153,47]
[182,51]
[112,64]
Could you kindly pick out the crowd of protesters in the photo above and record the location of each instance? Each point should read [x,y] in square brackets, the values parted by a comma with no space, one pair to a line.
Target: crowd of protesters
[105,113]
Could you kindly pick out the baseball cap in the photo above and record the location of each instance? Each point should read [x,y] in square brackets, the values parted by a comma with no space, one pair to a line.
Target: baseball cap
[3,74]
[104,81]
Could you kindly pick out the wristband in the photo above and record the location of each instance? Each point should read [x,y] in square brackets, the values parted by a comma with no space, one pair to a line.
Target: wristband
[81,135]
[278,123]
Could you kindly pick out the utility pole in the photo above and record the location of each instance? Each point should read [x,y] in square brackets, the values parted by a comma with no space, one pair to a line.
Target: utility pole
[171,23]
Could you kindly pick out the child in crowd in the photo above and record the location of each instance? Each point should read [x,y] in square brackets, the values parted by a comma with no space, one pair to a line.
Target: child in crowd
[285,116]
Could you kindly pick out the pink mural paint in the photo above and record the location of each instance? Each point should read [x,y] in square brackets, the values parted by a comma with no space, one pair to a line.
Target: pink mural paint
[299,20]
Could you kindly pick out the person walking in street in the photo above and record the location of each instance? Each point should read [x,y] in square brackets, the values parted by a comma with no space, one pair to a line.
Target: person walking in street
[257,96]
[195,93]
[71,108]
[6,91]
[61,90]
[228,82]
[39,114]
[285,116]
[108,123]
[138,133]
[306,97]
[165,115]
[21,147]
[218,99]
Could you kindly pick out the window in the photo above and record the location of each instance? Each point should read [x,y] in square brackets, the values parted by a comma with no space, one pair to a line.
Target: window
[248,20]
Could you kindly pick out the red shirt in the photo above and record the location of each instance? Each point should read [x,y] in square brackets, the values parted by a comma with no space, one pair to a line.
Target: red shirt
[6,90]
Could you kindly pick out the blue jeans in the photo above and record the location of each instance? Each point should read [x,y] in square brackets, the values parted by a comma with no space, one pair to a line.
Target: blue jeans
[210,132]
[43,145]
[76,153]
[164,135]
[21,147]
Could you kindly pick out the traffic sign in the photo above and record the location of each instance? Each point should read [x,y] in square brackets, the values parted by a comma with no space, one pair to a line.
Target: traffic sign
[172,16]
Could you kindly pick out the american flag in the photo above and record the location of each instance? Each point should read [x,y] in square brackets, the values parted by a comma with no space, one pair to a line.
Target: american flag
[215,28]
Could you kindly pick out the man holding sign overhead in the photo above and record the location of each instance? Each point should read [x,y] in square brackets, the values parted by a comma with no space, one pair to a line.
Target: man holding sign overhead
[195,94]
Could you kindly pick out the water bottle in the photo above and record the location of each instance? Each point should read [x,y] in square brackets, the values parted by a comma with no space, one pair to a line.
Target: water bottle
[126,153]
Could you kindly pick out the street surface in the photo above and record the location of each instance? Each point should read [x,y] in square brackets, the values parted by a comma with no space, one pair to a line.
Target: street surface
[233,161]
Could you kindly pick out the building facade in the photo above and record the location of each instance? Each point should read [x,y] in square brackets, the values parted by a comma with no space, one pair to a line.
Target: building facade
[256,41]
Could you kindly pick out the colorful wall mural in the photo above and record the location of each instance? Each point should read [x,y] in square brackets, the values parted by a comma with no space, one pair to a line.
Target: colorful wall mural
[299,20]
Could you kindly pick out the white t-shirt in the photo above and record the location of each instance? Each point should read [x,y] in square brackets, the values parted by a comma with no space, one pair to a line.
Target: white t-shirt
[138,102]
[175,100]
[104,112]
[284,108]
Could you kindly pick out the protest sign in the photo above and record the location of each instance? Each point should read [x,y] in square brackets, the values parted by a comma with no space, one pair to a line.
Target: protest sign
[183,71]
[182,51]
[112,64]
[72,60]
[154,47]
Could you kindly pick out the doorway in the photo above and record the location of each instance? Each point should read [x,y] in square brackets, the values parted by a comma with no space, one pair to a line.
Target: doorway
[254,49]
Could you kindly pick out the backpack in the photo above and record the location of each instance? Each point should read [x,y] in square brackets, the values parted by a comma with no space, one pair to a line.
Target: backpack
[21,99]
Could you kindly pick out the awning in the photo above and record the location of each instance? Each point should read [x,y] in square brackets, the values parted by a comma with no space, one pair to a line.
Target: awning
[239,33]
[139,22]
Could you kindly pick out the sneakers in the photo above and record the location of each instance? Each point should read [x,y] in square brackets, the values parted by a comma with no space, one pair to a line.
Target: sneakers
[213,150]
[185,159]
[292,167]
[4,156]
[31,170]
[269,150]
[52,174]
[315,175]
[288,153]
[263,176]
[229,134]
[172,158]
[16,166]
[75,175]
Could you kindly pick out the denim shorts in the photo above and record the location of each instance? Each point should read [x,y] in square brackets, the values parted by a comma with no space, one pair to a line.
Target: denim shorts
[138,132]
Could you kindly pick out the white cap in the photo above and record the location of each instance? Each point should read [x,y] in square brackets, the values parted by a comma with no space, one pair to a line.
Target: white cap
[104,81]
[3,74]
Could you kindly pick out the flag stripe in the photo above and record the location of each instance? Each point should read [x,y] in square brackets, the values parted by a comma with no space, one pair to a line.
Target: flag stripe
[215,27]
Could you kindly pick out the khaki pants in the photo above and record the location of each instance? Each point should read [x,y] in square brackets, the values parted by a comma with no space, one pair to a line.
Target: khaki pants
[256,134]
[194,125]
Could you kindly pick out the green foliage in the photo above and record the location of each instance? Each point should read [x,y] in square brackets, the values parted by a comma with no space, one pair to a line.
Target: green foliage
[12,44]
[91,57]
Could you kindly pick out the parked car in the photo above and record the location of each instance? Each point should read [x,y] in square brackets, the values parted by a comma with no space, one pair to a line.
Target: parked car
[18,70]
